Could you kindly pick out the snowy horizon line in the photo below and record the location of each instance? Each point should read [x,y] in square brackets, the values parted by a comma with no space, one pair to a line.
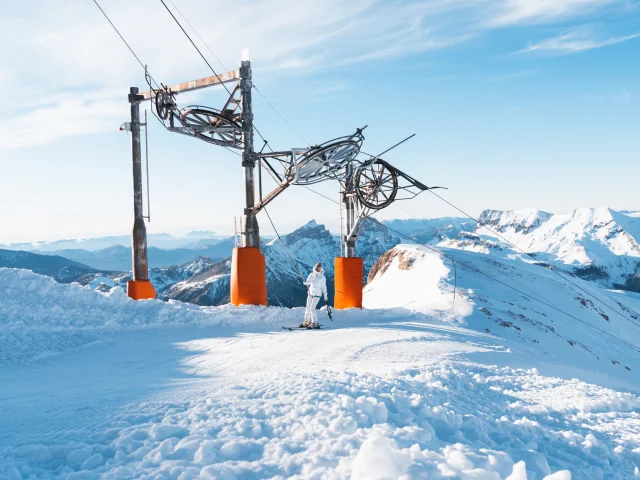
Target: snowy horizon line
[182,233]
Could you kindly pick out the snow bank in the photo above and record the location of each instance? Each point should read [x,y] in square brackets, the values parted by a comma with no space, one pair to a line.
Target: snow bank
[40,317]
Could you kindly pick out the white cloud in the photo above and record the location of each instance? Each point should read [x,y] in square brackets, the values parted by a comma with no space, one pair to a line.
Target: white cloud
[69,62]
[576,41]
[68,116]
[511,12]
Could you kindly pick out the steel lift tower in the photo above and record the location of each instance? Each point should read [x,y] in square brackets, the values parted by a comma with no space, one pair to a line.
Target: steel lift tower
[232,127]
[367,187]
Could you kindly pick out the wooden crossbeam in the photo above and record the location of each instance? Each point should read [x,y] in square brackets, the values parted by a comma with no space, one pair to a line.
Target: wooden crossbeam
[197,84]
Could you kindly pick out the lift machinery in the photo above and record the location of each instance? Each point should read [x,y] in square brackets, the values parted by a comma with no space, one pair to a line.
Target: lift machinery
[366,185]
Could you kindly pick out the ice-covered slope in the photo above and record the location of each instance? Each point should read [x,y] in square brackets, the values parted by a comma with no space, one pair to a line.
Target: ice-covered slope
[153,389]
[599,244]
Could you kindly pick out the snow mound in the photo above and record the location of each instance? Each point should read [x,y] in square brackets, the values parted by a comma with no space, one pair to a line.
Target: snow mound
[40,317]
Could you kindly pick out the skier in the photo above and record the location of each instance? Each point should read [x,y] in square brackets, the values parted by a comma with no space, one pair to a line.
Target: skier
[317,285]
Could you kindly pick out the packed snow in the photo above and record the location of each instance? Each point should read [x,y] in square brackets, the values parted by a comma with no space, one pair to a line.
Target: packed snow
[157,389]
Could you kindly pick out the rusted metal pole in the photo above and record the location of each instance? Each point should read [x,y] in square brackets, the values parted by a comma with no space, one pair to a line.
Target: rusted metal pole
[139,238]
[250,230]
[350,214]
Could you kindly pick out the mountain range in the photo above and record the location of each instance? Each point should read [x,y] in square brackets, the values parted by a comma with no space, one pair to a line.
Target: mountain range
[118,257]
[600,245]
[60,268]
[158,240]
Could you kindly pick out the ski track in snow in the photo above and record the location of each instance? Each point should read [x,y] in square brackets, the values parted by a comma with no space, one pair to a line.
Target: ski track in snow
[185,392]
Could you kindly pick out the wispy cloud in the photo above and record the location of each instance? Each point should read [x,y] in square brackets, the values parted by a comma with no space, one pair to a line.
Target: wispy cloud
[574,42]
[512,12]
[323,89]
[68,116]
[74,62]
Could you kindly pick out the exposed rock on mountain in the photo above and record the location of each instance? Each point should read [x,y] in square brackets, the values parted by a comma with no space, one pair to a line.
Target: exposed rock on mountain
[597,244]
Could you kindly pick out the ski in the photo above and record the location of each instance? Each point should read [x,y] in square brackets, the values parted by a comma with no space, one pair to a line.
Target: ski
[291,329]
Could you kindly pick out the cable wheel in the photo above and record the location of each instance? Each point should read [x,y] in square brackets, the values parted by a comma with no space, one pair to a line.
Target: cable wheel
[376,186]
[212,124]
[326,161]
[163,104]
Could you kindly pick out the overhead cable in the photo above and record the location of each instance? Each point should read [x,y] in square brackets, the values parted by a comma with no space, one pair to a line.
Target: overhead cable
[552,268]
[126,43]
[224,67]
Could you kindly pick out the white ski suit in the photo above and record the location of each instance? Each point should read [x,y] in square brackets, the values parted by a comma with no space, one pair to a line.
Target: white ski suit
[317,284]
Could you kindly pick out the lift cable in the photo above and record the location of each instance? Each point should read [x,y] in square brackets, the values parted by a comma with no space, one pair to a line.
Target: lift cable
[281,116]
[203,57]
[477,270]
[224,67]
[551,267]
[126,43]
[197,34]
[283,245]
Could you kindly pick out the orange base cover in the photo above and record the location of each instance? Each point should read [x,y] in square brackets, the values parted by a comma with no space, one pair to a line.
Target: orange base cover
[348,282]
[140,289]
[248,277]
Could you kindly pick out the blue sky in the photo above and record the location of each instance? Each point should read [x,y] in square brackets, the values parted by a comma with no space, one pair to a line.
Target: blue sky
[515,103]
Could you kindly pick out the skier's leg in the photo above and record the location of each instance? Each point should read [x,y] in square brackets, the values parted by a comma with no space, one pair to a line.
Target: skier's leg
[314,312]
[307,312]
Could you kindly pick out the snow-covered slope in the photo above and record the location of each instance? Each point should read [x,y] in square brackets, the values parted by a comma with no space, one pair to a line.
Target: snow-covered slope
[157,389]
[598,244]
[560,318]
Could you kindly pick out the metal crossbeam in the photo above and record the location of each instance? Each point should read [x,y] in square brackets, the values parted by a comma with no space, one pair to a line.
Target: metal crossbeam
[197,84]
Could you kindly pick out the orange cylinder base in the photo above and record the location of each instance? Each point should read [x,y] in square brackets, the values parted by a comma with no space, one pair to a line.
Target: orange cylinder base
[140,289]
[248,277]
[348,282]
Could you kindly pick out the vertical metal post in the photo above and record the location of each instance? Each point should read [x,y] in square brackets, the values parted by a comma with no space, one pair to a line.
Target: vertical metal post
[350,214]
[250,231]
[139,238]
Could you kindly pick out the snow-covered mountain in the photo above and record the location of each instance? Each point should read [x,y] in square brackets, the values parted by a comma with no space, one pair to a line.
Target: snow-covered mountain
[598,244]
[430,230]
[306,246]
